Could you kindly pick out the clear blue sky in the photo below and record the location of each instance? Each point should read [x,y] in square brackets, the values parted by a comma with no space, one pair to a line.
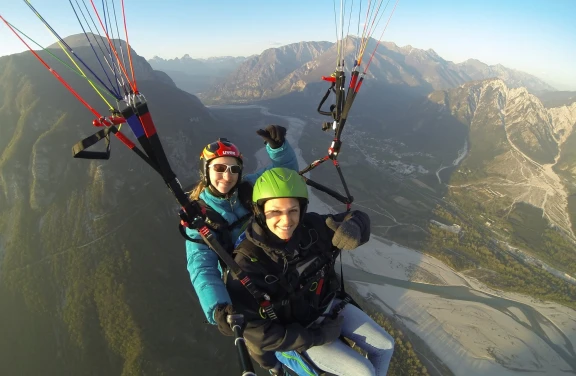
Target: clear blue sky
[535,36]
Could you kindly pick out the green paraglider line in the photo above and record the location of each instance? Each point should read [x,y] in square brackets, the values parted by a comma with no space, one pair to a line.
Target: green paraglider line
[106,91]
[62,41]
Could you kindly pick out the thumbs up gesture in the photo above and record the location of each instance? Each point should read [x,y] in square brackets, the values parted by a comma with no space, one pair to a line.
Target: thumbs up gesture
[352,232]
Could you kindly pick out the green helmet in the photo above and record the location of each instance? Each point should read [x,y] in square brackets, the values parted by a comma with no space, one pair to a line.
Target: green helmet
[279,182]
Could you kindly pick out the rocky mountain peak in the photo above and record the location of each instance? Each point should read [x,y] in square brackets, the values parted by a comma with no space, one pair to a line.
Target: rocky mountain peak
[278,71]
[433,53]
[81,44]
[512,135]
[264,75]
[564,120]
[477,70]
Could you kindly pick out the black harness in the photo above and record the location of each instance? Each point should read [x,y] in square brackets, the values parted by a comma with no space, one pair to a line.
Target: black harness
[308,275]
[217,223]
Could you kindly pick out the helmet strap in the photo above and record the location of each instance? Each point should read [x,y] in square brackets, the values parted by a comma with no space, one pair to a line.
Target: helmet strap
[259,215]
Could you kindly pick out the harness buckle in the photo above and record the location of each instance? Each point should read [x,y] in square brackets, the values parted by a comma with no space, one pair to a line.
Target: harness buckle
[267,307]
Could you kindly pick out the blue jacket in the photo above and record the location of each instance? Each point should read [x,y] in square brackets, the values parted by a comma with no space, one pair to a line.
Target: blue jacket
[203,267]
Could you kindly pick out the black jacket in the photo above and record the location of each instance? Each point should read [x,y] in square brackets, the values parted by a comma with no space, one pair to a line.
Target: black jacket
[298,275]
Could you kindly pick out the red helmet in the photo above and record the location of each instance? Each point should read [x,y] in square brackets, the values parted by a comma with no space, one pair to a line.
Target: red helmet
[220,148]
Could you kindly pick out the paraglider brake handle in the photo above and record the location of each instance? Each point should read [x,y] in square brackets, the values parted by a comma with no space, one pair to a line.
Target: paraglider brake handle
[236,322]
[334,149]
[192,215]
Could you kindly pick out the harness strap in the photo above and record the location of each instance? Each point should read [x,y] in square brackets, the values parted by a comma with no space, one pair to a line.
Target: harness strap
[314,282]
[212,224]
[340,306]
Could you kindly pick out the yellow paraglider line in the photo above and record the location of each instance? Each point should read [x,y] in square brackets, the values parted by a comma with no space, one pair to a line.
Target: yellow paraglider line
[84,75]
[73,61]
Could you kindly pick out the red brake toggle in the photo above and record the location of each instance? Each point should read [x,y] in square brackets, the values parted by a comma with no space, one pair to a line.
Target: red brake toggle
[108,121]
[97,123]
[116,120]
[329,78]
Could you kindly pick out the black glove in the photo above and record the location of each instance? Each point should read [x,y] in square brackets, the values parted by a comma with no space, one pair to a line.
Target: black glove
[274,135]
[352,232]
[329,331]
[220,314]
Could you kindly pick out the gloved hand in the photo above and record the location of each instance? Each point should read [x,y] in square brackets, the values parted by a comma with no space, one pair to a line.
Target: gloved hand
[220,314]
[329,330]
[352,232]
[274,135]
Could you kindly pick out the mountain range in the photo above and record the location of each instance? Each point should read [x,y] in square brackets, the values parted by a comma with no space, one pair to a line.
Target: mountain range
[505,98]
[480,135]
[87,43]
[279,71]
[444,125]
[197,75]
[220,65]
[519,150]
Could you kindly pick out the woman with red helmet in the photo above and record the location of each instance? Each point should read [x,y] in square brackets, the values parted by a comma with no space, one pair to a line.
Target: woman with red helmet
[221,181]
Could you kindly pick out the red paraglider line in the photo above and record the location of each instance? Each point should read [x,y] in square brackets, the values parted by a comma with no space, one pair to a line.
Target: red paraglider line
[126,141]
[377,44]
[370,31]
[112,46]
[128,47]
[54,72]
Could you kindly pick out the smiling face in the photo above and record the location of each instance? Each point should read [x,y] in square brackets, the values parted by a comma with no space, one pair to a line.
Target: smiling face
[223,181]
[282,216]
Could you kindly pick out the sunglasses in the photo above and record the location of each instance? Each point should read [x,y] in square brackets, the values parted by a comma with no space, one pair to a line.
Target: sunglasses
[222,168]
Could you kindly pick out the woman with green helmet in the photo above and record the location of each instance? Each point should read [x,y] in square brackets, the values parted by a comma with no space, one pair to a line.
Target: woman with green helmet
[289,255]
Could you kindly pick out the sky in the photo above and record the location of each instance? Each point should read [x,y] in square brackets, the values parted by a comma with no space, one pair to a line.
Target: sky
[534,36]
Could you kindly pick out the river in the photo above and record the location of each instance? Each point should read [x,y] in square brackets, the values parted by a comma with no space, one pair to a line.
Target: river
[536,320]
[461,154]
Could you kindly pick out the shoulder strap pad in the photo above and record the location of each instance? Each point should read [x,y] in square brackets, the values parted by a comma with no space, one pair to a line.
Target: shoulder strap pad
[249,250]
[260,259]
[256,255]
